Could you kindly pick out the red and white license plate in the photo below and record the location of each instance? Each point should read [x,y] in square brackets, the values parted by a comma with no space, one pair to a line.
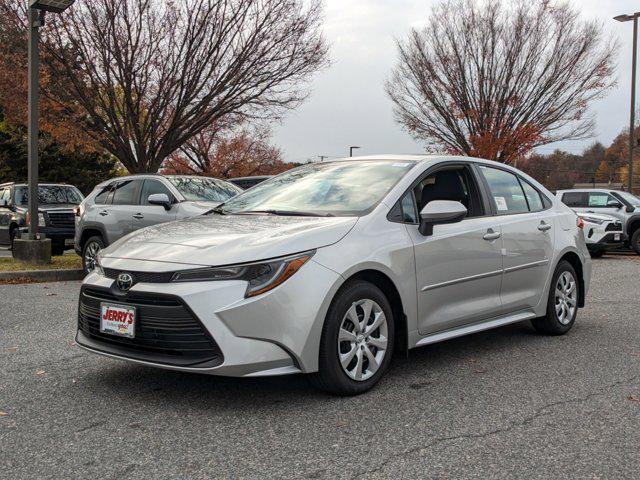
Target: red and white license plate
[118,319]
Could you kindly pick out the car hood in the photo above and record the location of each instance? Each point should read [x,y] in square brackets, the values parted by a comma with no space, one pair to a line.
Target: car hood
[597,216]
[227,239]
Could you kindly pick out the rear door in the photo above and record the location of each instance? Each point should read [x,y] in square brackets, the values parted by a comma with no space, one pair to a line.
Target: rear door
[459,267]
[124,200]
[146,214]
[527,226]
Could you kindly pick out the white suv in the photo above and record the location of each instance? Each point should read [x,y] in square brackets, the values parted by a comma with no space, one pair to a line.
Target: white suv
[618,204]
[602,233]
[122,205]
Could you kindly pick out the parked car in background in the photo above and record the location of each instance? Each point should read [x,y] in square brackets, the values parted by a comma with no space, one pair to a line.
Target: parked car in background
[56,203]
[122,205]
[618,204]
[602,233]
[248,182]
[330,268]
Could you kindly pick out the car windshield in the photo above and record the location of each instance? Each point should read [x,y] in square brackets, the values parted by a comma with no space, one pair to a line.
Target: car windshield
[204,189]
[632,199]
[348,188]
[51,195]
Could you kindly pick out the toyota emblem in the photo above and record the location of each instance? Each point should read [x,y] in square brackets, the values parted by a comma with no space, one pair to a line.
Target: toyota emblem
[124,281]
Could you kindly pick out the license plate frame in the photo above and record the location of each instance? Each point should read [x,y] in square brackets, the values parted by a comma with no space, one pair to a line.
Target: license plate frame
[616,237]
[120,324]
[69,242]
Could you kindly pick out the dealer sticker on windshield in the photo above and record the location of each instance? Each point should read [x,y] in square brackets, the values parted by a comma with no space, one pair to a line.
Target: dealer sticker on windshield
[118,319]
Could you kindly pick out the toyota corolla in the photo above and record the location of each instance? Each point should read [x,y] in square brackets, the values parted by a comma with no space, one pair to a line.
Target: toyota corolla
[332,268]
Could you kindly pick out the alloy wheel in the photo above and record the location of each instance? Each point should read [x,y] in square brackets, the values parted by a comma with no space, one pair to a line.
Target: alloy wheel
[566,297]
[90,253]
[362,340]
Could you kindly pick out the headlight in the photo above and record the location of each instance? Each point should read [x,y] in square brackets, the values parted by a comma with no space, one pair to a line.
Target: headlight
[597,221]
[41,220]
[261,277]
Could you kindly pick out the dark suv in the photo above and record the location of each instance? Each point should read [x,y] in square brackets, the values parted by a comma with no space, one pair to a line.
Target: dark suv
[56,217]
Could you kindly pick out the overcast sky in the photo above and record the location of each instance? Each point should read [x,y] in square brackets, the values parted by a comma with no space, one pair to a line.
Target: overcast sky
[348,105]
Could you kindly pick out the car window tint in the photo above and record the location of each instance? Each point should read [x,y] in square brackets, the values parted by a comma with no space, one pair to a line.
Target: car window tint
[575,199]
[506,192]
[600,200]
[152,187]
[124,193]
[4,195]
[533,196]
[409,214]
[103,197]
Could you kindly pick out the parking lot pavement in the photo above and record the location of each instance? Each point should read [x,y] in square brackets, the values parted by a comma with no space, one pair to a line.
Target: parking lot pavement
[501,404]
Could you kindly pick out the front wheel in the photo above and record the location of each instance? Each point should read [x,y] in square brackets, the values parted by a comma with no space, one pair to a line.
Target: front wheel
[562,305]
[357,340]
[635,241]
[91,248]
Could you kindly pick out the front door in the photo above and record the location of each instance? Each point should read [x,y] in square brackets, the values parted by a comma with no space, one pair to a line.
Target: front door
[145,214]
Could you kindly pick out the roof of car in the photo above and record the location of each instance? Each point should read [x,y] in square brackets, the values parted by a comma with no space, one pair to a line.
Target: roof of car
[8,184]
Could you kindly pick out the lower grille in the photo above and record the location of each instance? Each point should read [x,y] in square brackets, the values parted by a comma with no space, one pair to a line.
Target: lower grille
[166,331]
[61,219]
[613,227]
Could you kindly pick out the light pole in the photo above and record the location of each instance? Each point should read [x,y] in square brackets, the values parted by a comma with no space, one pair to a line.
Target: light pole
[628,18]
[351,149]
[37,10]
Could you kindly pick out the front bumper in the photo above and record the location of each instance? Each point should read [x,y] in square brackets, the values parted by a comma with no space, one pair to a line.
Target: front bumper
[273,334]
[607,241]
[56,234]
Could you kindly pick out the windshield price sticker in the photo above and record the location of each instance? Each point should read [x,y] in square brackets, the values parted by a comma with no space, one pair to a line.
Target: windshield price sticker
[501,204]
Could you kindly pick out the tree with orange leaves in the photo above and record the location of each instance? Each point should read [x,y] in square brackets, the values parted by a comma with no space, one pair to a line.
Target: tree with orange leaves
[494,79]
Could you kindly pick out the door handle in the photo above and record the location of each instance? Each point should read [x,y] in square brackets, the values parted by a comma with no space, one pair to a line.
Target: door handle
[491,235]
[138,216]
[104,213]
[543,227]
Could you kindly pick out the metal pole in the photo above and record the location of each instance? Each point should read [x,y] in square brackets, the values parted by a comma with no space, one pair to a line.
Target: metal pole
[633,101]
[34,91]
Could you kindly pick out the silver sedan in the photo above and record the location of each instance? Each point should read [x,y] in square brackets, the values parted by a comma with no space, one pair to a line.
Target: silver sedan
[331,268]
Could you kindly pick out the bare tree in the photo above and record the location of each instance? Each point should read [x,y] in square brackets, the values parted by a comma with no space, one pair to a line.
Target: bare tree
[151,74]
[495,79]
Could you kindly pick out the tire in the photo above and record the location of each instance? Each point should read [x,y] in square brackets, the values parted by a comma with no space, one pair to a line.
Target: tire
[596,253]
[560,322]
[12,235]
[90,248]
[358,349]
[635,241]
[57,249]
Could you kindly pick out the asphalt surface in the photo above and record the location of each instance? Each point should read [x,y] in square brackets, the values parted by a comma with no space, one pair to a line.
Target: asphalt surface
[501,404]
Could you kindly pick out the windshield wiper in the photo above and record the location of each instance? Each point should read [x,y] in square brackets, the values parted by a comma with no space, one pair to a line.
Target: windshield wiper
[287,213]
[217,210]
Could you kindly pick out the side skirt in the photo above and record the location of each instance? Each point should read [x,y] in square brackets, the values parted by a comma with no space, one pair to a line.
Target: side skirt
[420,341]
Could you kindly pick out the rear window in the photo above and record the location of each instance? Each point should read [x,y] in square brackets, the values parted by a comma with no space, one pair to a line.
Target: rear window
[575,199]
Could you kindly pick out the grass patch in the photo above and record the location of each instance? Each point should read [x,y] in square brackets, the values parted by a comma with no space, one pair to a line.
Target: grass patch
[65,262]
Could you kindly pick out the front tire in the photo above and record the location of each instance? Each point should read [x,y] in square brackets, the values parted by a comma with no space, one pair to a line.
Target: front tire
[562,305]
[89,251]
[635,241]
[357,340]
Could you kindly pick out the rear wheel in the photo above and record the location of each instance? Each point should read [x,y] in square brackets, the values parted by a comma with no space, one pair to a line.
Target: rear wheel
[635,241]
[357,340]
[562,305]
[89,251]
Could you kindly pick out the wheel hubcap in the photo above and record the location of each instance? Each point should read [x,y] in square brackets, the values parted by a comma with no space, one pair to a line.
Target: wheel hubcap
[566,298]
[90,256]
[362,341]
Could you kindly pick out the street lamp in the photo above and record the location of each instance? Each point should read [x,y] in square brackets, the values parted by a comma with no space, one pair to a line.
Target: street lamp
[351,149]
[37,9]
[628,18]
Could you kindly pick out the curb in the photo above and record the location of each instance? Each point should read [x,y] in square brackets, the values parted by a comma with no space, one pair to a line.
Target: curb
[40,276]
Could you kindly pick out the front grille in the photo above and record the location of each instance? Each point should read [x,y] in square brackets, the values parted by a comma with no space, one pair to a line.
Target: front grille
[62,219]
[614,227]
[166,331]
[140,277]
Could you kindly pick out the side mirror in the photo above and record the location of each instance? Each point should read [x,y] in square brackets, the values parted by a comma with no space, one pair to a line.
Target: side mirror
[630,209]
[614,204]
[161,199]
[439,212]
